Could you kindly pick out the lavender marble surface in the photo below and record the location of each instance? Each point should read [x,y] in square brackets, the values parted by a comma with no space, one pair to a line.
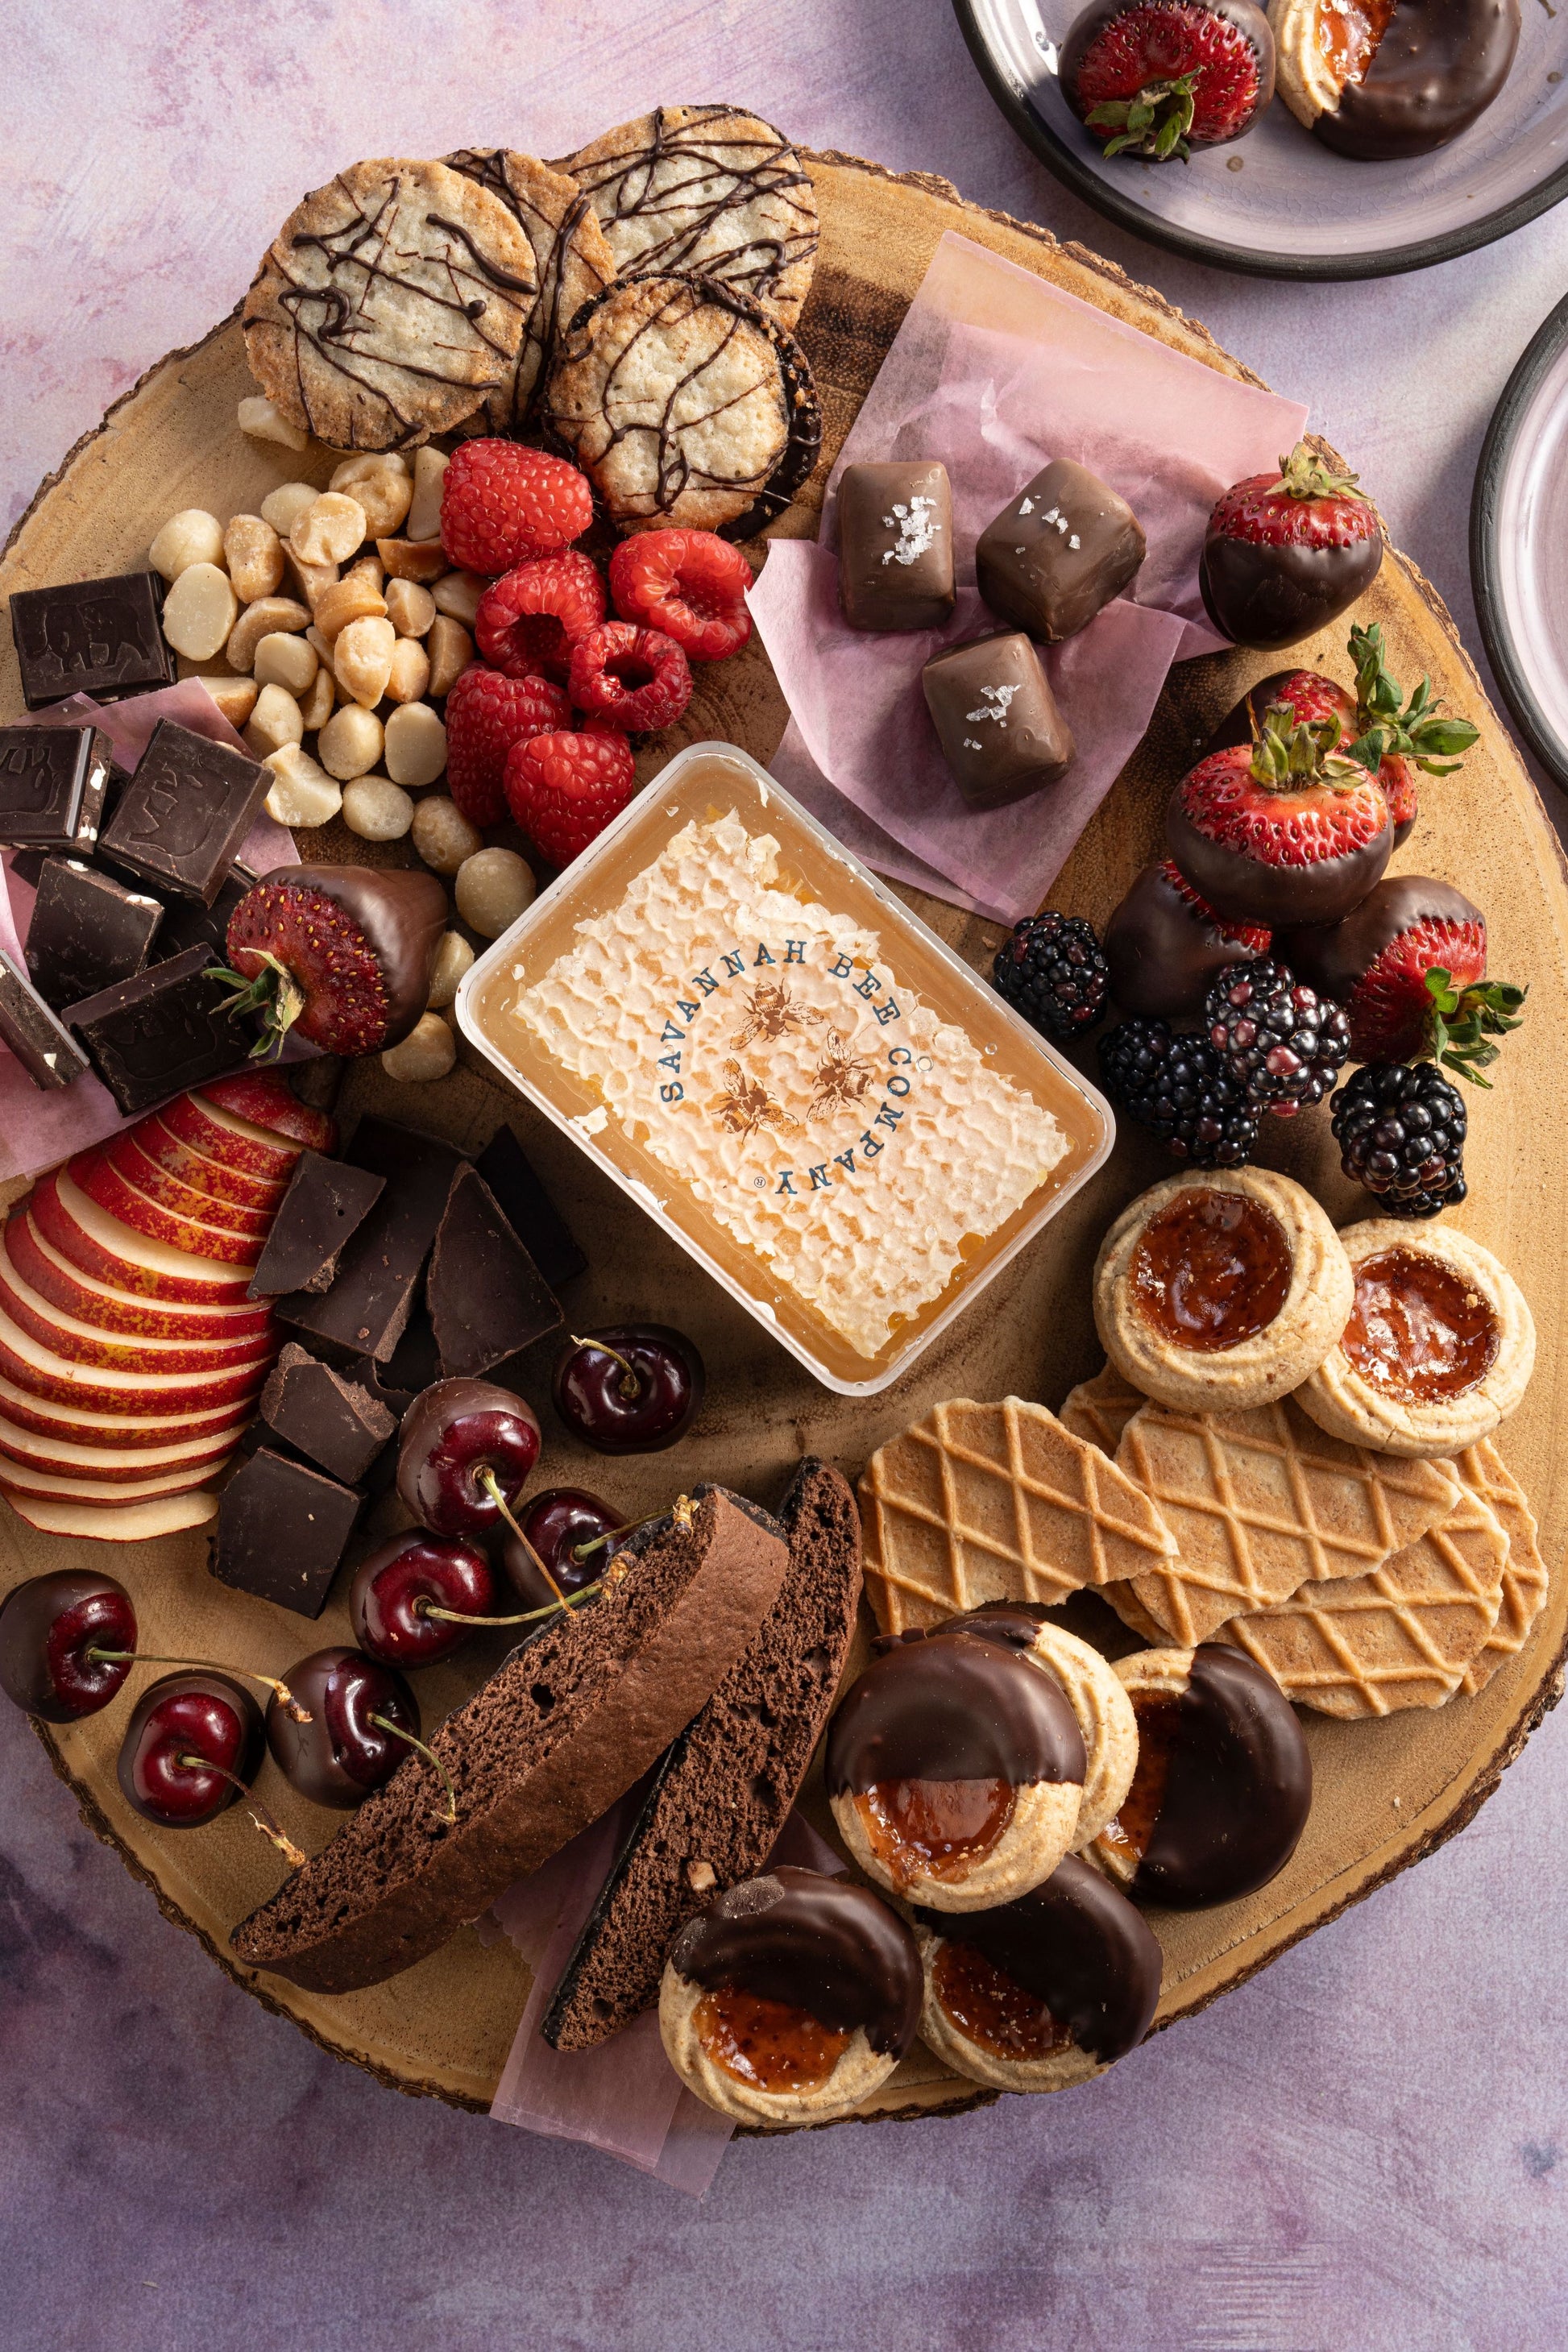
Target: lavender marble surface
[1368,2145]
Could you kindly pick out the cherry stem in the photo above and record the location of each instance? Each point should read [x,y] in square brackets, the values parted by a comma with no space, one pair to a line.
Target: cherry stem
[629,1384]
[261,1817]
[422,1608]
[490,1485]
[679,1511]
[280,1691]
[385,1723]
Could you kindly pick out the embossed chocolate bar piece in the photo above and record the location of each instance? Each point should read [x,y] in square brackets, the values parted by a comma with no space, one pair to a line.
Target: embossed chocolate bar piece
[188,924]
[1000,732]
[43,1046]
[1057,553]
[150,1036]
[52,786]
[86,932]
[182,818]
[101,637]
[895,545]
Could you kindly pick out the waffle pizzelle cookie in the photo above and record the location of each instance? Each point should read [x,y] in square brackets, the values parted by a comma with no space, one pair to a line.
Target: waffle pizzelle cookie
[998,1502]
[572,259]
[1403,1635]
[1099,1410]
[1259,1503]
[1523,1595]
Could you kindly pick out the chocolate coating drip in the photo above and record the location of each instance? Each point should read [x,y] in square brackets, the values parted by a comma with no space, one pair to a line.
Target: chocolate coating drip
[1274,596]
[821,1944]
[1163,952]
[1334,957]
[1077,1944]
[955,1709]
[1237,1790]
[1437,67]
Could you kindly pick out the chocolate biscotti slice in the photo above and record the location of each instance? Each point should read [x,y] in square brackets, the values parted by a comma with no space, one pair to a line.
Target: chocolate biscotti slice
[725,1789]
[564,1728]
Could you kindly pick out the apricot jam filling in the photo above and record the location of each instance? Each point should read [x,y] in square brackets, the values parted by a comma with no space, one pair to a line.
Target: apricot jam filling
[770,2044]
[1157,1713]
[1418,1330]
[993,2009]
[933,1829]
[1349,32]
[1210,1270]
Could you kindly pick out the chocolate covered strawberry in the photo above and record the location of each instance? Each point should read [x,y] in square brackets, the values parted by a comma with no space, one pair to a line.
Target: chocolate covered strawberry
[1409,965]
[1283,830]
[342,953]
[1285,553]
[1158,78]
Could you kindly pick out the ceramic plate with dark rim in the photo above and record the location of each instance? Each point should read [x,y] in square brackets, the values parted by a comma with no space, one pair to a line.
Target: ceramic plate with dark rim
[1518,543]
[1279,204]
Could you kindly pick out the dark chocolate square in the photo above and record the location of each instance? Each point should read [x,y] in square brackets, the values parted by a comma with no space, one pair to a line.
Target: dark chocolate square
[182,818]
[102,637]
[529,1209]
[895,545]
[486,1298]
[43,1046]
[151,1036]
[188,924]
[281,1529]
[318,1412]
[323,1208]
[1057,553]
[87,931]
[367,1309]
[52,786]
[1000,732]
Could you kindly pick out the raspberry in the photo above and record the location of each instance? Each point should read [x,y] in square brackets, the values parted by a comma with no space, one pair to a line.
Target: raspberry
[528,622]
[487,713]
[502,503]
[634,677]
[690,583]
[564,788]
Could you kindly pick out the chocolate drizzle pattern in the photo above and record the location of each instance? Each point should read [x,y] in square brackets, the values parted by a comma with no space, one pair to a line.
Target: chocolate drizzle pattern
[570,254]
[821,1944]
[955,1709]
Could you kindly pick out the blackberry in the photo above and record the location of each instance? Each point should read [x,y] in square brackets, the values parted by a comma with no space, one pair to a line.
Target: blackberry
[1179,1088]
[1401,1132]
[1280,1039]
[1052,972]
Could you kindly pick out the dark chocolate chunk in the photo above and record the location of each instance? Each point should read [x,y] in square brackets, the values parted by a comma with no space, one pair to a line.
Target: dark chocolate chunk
[183,817]
[959,1709]
[529,1209]
[1058,553]
[486,1298]
[821,1944]
[368,1306]
[281,1529]
[1165,947]
[895,546]
[332,1420]
[151,1036]
[1224,1783]
[88,931]
[188,924]
[102,637]
[416,1362]
[323,1208]
[52,786]
[43,1046]
[366,1374]
[996,720]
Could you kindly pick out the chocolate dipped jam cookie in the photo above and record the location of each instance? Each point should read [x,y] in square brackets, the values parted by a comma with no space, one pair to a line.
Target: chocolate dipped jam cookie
[1041,1994]
[955,1771]
[1165,946]
[1224,1782]
[1437,1347]
[791,1999]
[1391,79]
[1221,1288]
[391,303]
[570,256]
[709,190]
[686,404]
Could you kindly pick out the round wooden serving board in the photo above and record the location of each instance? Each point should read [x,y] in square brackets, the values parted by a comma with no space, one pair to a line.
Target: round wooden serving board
[1386,1792]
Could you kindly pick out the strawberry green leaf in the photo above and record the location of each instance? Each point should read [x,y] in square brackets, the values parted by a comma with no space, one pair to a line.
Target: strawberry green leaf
[1305,475]
[1465,1020]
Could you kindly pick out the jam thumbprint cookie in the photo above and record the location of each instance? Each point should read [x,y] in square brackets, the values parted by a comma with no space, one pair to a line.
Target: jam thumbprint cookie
[791,1999]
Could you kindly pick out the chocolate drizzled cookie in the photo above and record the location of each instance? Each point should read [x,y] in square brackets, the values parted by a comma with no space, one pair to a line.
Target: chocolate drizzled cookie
[573,260]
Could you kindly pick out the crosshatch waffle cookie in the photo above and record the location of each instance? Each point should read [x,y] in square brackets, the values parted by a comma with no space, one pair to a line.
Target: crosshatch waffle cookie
[1401,1636]
[569,250]
[998,1502]
[1098,1410]
[1523,1594]
[1261,1502]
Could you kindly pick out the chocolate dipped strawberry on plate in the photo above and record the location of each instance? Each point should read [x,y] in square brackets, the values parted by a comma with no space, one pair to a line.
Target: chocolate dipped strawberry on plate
[342,953]
[1285,553]
[1155,78]
[1409,966]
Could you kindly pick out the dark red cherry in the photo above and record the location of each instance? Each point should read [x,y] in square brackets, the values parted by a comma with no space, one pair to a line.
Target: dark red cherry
[384,1604]
[184,1717]
[464,1455]
[633,1388]
[48,1627]
[555,1523]
[341,1754]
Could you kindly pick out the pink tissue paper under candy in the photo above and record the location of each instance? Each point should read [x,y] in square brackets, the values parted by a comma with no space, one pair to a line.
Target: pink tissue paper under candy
[996,372]
[38,1129]
[623,2097]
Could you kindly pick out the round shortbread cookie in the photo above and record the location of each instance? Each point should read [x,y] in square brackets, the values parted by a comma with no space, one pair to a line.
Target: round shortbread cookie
[1098,1696]
[1040,1830]
[389,305]
[686,404]
[860,2069]
[1154,1674]
[710,190]
[573,261]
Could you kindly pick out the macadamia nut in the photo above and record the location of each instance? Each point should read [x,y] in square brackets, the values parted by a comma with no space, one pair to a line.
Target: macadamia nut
[450,649]
[254,555]
[376,810]
[191,536]
[331,527]
[492,889]
[410,672]
[409,558]
[454,957]
[415,746]
[263,422]
[310,580]
[350,744]
[409,607]
[381,485]
[275,721]
[458,594]
[286,661]
[348,600]
[427,1051]
[443,835]
[302,793]
[361,657]
[267,616]
[316,705]
[199,611]
[283,507]
[429,473]
[234,697]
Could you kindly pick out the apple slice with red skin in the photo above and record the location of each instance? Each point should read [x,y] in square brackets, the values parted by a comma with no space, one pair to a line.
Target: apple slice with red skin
[266,1098]
[20,1456]
[171,1192]
[166,1515]
[42,1417]
[41,1372]
[203,1174]
[93,1173]
[108,1309]
[84,1344]
[97,1245]
[218,1135]
[17,1479]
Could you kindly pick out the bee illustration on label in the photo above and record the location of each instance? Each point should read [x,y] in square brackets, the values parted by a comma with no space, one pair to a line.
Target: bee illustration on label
[771,1011]
[842,1079]
[746,1108]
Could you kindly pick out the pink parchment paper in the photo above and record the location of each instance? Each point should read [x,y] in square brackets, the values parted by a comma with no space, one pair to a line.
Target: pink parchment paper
[994,372]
